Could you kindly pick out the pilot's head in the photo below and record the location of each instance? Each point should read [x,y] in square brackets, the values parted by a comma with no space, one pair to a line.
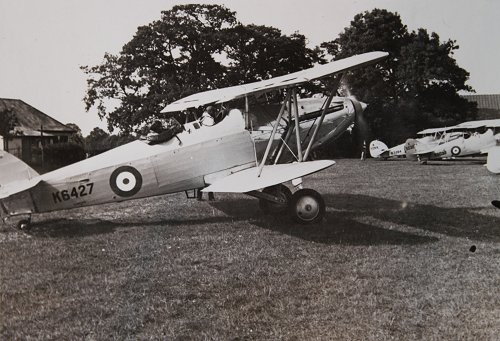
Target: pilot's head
[156,127]
[210,110]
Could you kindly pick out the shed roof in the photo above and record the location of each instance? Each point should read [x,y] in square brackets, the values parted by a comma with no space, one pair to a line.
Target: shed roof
[30,119]
[491,101]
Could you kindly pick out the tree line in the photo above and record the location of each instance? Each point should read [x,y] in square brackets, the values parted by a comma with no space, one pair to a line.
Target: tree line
[197,47]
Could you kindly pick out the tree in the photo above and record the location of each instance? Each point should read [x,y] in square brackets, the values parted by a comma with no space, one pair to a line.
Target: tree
[98,141]
[95,142]
[191,48]
[8,122]
[416,87]
[76,137]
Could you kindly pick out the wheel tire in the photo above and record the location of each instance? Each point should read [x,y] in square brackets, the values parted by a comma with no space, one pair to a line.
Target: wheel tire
[24,225]
[455,151]
[496,203]
[307,206]
[280,191]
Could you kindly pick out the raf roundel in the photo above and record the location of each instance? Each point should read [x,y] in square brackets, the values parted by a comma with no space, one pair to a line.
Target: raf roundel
[125,181]
[455,151]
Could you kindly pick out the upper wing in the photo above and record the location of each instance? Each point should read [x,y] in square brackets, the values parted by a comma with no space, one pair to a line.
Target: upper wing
[247,180]
[289,80]
[434,130]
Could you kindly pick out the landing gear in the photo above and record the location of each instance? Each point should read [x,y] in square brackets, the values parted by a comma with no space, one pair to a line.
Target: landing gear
[282,193]
[307,206]
[24,225]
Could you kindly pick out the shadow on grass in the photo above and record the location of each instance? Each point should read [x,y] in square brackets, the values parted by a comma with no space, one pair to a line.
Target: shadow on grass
[337,228]
[461,162]
[457,222]
[340,225]
[76,228]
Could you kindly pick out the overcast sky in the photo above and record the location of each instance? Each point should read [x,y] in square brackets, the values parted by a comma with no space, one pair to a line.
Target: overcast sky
[44,43]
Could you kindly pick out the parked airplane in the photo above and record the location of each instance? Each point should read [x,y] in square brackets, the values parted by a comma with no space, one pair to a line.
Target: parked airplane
[378,149]
[219,158]
[465,139]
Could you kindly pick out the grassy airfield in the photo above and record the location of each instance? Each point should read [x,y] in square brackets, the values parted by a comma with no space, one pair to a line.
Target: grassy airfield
[392,260]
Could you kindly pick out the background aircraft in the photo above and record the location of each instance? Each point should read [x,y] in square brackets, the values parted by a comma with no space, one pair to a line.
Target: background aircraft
[219,158]
[464,139]
[378,149]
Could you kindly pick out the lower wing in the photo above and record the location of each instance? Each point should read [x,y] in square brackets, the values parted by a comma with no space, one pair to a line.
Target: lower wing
[248,180]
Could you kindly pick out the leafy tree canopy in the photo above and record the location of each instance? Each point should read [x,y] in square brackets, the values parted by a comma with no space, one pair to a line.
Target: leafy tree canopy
[191,48]
[76,137]
[8,121]
[416,87]
[99,141]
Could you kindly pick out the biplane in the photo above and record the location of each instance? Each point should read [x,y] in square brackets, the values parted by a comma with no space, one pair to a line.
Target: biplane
[464,139]
[218,158]
[427,137]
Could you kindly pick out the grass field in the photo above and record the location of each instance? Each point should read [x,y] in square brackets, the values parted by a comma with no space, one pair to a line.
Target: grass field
[392,260]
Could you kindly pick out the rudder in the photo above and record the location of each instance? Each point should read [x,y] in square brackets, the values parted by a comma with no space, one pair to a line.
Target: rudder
[377,148]
[13,169]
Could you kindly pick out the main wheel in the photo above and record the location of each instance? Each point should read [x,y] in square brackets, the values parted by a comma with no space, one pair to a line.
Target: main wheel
[24,225]
[307,206]
[280,191]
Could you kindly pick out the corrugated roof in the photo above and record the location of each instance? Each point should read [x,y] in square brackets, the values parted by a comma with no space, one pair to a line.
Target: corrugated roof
[31,119]
[485,101]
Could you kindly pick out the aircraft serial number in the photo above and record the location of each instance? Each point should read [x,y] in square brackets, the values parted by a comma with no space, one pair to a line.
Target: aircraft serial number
[75,192]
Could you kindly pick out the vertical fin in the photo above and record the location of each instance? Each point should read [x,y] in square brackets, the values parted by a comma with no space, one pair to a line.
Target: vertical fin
[12,169]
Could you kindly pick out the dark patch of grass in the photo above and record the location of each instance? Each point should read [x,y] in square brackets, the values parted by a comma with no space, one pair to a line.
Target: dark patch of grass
[392,260]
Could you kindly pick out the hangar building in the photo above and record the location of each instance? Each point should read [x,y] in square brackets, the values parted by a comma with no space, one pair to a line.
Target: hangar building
[31,130]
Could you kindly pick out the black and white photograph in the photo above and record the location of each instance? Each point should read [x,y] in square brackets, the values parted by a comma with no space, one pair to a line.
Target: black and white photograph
[249,170]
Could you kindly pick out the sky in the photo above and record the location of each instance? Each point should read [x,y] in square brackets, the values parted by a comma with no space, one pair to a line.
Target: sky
[43,44]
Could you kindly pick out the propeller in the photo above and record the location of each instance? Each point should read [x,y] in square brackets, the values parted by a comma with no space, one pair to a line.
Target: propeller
[360,122]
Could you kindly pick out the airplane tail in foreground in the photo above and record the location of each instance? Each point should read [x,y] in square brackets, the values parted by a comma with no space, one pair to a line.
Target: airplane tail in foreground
[12,169]
[377,148]
[493,163]
[15,178]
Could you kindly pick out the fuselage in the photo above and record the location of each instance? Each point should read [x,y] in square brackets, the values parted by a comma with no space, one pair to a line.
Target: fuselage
[137,169]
